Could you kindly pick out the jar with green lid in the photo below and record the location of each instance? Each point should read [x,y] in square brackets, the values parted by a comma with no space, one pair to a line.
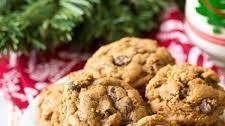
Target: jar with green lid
[205,25]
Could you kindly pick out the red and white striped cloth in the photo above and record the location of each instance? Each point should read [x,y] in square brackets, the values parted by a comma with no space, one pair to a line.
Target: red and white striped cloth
[22,78]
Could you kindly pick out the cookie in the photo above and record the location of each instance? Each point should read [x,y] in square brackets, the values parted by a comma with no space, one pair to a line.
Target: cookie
[154,120]
[131,59]
[48,105]
[187,94]
[105,101]
[219,123]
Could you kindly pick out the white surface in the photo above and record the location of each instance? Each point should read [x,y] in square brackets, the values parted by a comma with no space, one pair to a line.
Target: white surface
[5,111]
[28,117]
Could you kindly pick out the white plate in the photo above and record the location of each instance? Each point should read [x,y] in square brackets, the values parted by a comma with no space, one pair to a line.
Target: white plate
[28,118]
[6,109]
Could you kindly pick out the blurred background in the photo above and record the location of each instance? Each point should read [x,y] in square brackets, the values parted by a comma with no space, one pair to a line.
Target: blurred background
[45,24]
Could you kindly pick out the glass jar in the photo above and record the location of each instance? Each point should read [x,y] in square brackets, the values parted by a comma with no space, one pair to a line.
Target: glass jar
[205,25]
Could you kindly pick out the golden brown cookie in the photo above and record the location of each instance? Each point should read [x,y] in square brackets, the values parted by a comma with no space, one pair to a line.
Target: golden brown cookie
[219,123]
[100,102]
[131,59]
[48,106]
[154,120]
[187,94]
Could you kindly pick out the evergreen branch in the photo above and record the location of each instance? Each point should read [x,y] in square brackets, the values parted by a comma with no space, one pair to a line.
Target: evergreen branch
[42,24]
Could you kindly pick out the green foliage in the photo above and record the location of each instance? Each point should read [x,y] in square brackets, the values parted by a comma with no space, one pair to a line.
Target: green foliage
[42,24]
[213,18]
[181,4]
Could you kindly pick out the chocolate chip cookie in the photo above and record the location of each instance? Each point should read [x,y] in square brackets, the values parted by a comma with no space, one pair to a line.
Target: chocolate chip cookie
[47,107]
[105,101]
[187,94]
[131,59]
[219,123]
[154,120]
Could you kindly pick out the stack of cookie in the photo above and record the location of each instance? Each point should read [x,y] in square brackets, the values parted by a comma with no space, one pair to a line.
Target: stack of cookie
[134,82]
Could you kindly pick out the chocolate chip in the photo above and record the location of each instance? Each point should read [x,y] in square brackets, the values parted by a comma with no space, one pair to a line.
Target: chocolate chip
[183,92]
[49,116]
[74,87]
[122,60]
[112,93]
[158,85]
[205,107]
[78,84]
[158,64]
[109,111]
[112,89]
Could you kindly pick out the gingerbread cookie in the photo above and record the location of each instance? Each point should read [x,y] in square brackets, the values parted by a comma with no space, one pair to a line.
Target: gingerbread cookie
[131,59]
[106,101]
[187,94]
[48,105]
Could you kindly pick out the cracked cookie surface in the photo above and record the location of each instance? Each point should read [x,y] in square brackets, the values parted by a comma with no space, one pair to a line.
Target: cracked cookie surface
[131,59]
[48,106]
[106,101]
[187,94]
